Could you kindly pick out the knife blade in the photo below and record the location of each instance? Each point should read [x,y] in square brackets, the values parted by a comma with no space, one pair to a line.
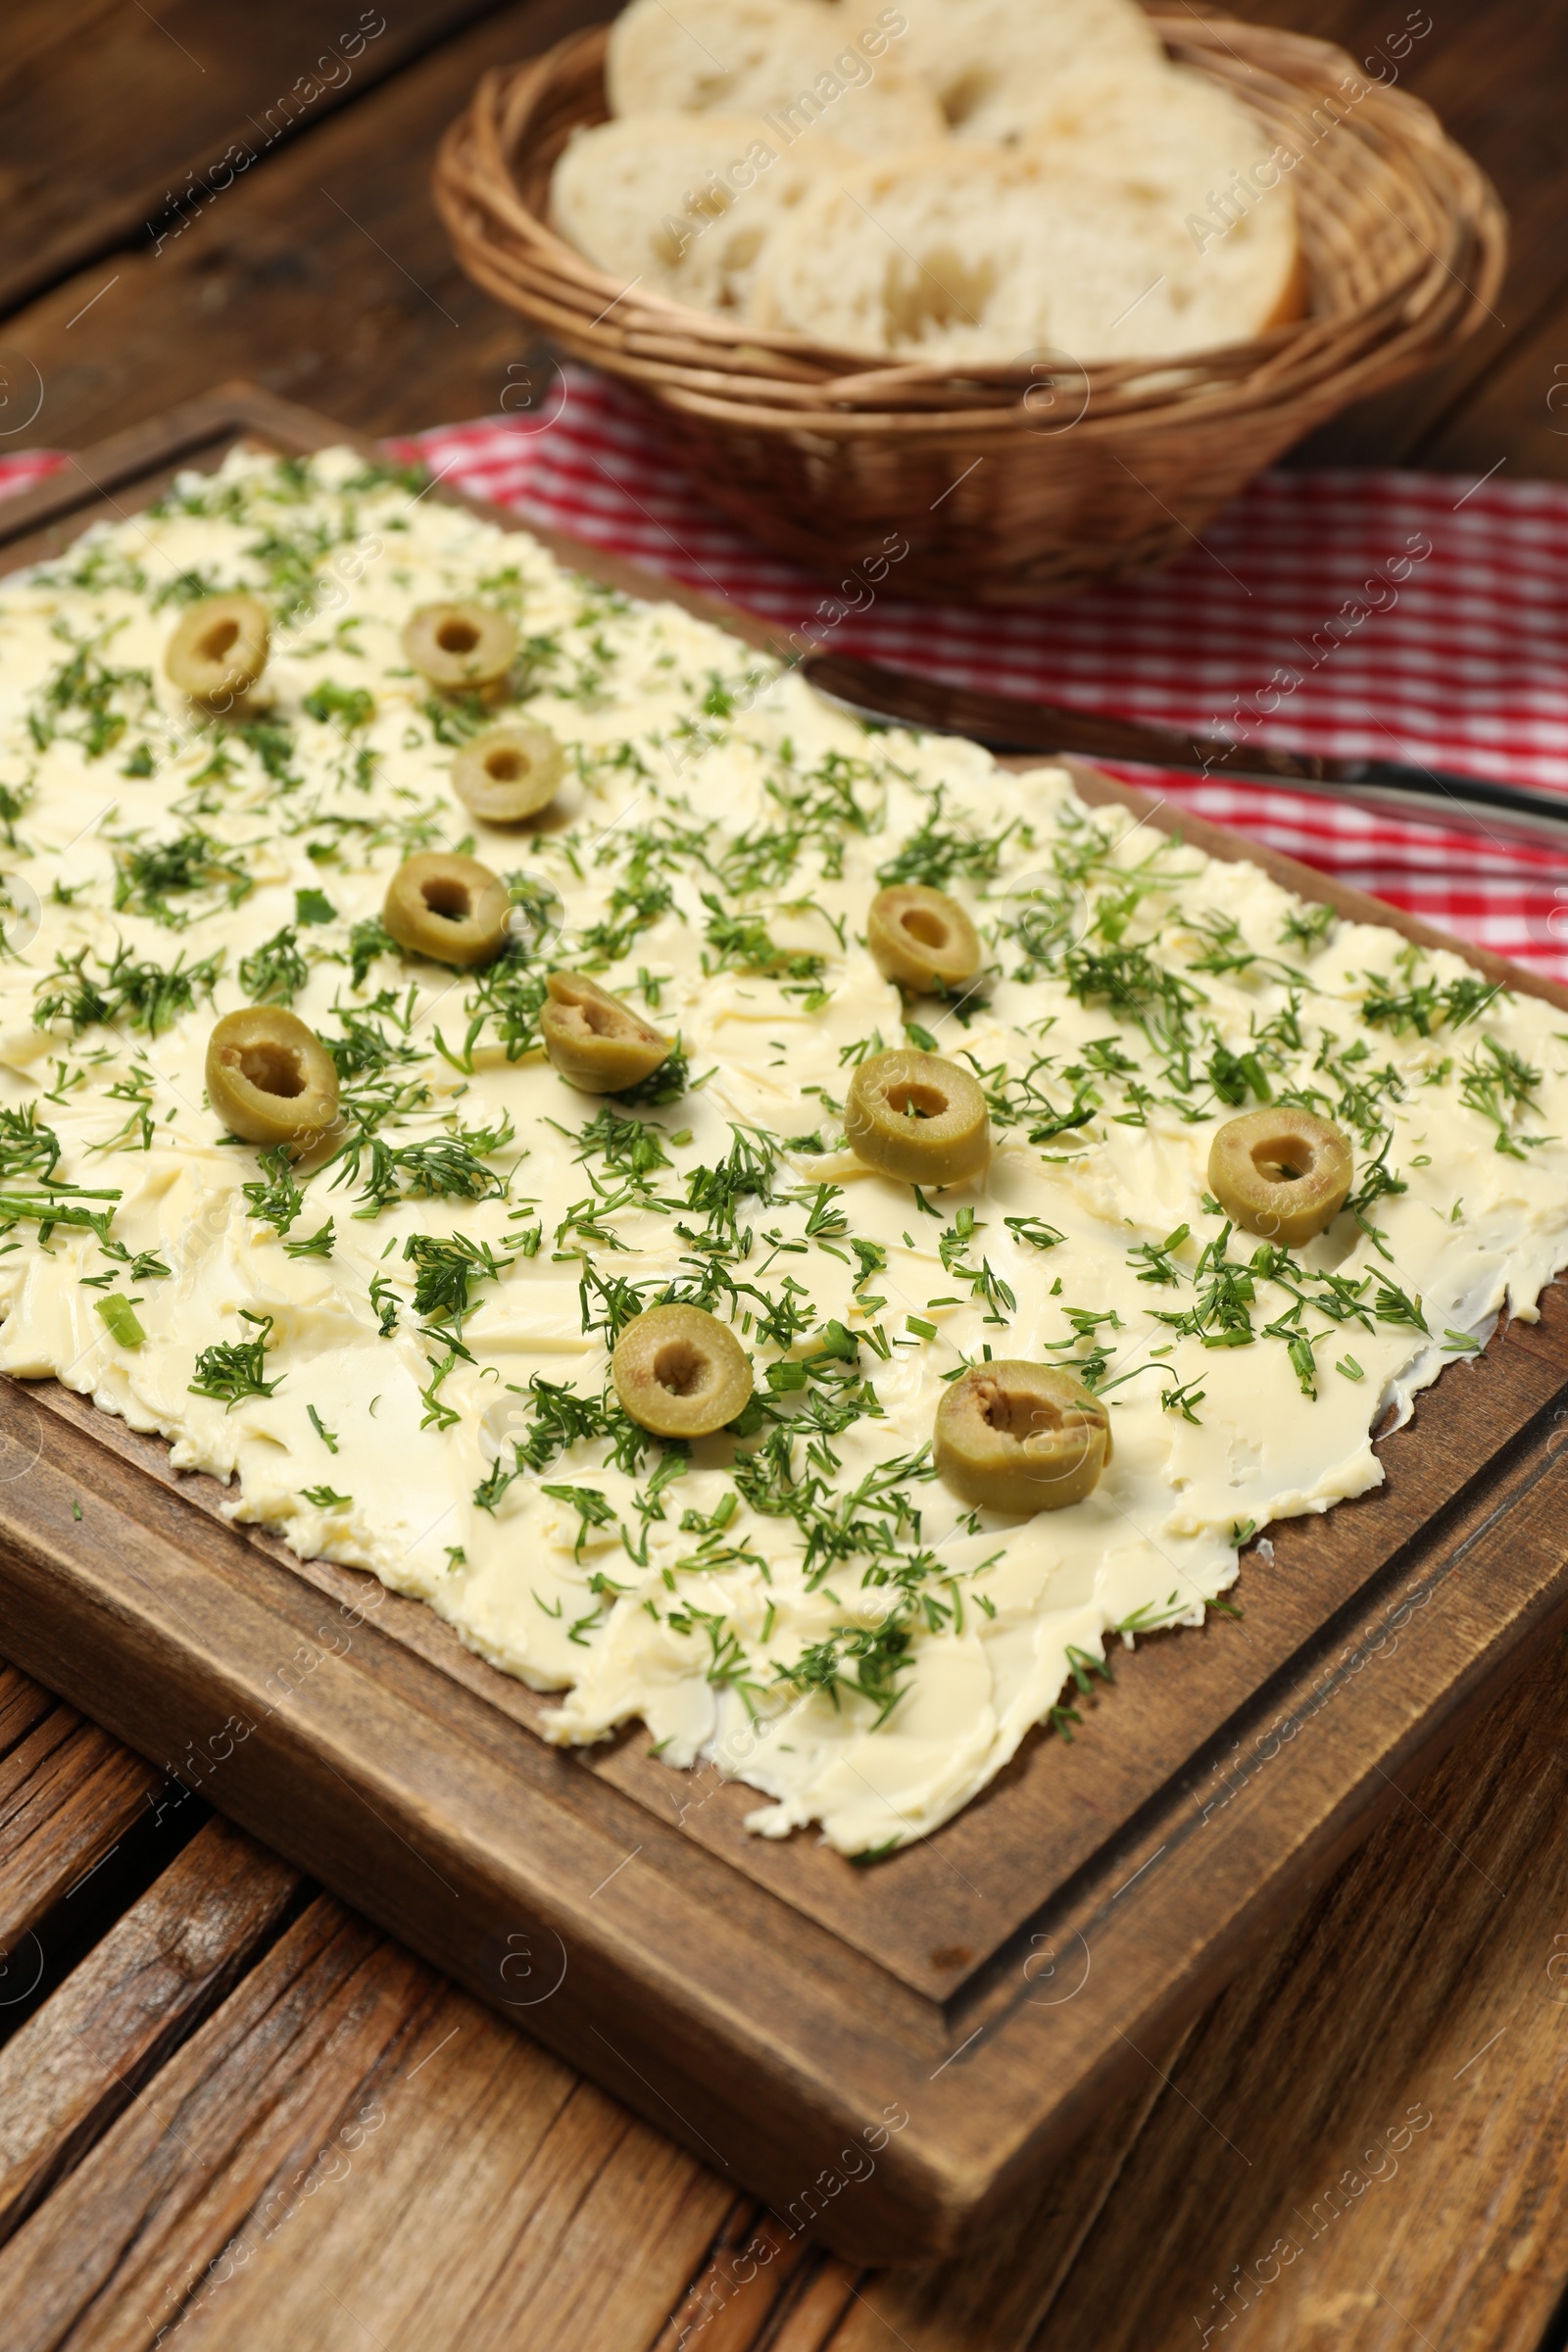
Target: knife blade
[1482,804]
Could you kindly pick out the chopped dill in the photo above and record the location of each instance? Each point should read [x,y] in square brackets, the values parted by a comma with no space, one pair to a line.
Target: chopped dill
[446,1269]
[25,1147]
[147,875]
[1499,1085]
[321,1243]
[369,940]
[86,689]
[232,1370]
[1429,1004]
[275,972]
[146,995]
[940,849]
[273,1197]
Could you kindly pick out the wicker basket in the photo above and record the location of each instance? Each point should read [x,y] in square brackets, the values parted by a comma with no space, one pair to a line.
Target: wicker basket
[1009,483]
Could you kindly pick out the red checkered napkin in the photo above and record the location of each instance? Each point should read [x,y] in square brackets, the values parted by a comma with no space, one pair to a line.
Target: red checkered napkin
[32,466]
[1398,616]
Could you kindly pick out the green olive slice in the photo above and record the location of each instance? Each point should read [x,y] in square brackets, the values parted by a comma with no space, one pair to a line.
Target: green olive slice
[1020,1437]
[451,908]
[680,1372]
[917,1116]
[461,644]
[595,1040]
[219,647]
[511,773]
[1283,1173]
[270,1078]
[921,937]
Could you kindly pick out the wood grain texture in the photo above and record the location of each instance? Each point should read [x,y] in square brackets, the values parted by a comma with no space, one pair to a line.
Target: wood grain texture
[1387,1996]
[1516,415]
[546,2214]
[68,1794]
[78,2062]
[754,2283]
[761,2286]
[323,273]
[765,2002]
[348,2151]
[193,84]
[23,1707]
[227,2134]
[1495,74]
[1428,1981]
[1380,2097]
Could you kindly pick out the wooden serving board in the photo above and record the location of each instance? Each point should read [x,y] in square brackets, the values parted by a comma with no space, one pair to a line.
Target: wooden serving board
[883,2053]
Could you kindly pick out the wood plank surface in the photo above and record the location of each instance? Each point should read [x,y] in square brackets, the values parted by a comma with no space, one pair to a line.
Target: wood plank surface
[68,1794]
[1360,2147]
[547,2214]
[253,2101]
[1517,412]
[259,2189]
[1422,1993]
[323,273]
[119,125]
[1382,2105]
[1495,74]
[23,1705]
[74,2065]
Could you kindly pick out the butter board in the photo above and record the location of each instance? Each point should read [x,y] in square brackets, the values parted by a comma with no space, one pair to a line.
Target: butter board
[882,2053]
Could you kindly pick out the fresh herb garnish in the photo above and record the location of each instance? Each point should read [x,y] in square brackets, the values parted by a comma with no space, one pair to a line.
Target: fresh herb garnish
[274,1196]
[350,706]
[144,994]
[232,1370]
[275,972]
[149,876]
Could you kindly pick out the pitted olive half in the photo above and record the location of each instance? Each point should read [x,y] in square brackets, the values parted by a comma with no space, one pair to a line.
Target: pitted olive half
[917,1116]
[595,1042]
[1284,1173]
[270,1078]
[921,937]
[680,1372]
[511,773]
[1020,1437]
[459,645]
[219,648]
[451,908]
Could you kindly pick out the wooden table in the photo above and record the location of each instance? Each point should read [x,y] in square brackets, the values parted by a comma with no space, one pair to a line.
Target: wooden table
[230,2111]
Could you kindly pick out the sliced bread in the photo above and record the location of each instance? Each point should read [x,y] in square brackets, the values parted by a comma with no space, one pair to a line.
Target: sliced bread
[802,61]
[993,63]
[685,205]
[1181,142]
[957,255]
